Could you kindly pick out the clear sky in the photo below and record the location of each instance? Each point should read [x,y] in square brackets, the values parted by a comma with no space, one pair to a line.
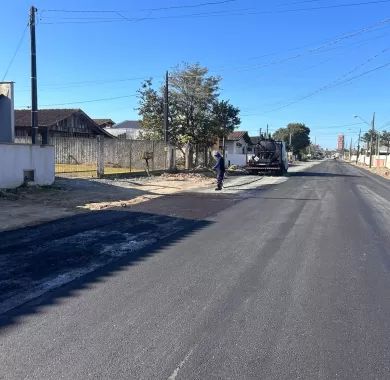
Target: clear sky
[319,62]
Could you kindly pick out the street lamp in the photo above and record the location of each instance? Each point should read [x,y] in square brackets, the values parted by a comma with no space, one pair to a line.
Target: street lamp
[358,117]
[372,132]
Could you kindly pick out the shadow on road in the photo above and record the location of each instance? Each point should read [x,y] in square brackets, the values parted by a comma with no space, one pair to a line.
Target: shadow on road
[74,253]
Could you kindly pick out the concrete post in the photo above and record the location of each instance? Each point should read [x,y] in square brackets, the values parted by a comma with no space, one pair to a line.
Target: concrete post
[171,158]
[100,156]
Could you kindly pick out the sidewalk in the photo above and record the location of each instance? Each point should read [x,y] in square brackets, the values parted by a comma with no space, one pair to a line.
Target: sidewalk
[383,172]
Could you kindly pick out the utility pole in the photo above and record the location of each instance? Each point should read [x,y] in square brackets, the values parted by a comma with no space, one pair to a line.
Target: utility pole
[372,136]
[170,149]
[166,120]
[378,145]
[34,93]
[267,132]
[358,147]
[350,150]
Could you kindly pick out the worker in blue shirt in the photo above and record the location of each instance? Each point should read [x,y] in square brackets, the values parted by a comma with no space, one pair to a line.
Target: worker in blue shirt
[219,167]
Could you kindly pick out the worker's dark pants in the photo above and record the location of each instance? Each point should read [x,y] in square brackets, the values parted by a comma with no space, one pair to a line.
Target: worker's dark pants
[220,176]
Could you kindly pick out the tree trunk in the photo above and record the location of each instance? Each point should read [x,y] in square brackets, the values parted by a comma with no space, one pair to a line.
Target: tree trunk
[196,155]
[189,157]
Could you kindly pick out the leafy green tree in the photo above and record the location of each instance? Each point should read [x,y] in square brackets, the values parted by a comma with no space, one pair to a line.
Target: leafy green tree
[196,116]
[151,110]
[385,140]
[366,138]
[299,136]
[224,120]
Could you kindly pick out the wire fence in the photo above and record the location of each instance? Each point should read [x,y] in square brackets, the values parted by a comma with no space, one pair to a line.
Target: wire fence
[94,156]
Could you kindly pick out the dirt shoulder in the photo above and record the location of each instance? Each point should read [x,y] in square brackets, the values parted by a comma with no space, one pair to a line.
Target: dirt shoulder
[383,172]
[29,206]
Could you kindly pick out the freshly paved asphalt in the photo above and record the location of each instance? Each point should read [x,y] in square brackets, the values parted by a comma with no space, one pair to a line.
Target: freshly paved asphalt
[290,282]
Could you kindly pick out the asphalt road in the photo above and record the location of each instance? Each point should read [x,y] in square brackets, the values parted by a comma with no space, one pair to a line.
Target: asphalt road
[290,281]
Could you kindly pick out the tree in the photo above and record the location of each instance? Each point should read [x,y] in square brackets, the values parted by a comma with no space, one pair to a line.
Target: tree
[224,120]
[385,140]
[151,110]
[366,138]
[193,93]
[194,109]
[299,136]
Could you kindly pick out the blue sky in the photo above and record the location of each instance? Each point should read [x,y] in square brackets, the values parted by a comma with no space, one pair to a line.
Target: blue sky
[317,62]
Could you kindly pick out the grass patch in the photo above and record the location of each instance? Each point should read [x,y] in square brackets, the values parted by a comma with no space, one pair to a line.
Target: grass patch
[90,171]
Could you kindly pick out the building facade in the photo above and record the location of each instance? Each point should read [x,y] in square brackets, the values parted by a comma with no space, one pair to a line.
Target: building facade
[340,143]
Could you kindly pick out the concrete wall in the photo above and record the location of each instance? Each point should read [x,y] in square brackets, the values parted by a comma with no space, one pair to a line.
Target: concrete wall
[16,158]
[235,159]
[232,148]
[377,161]
[7,117]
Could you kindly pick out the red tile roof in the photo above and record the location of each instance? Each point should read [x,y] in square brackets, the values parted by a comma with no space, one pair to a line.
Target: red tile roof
[237,135]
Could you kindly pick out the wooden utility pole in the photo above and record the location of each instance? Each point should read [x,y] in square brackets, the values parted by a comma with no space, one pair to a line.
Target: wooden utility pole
[372,137]
[166,120]
[170,149]
[34,92]
[350,150]
[358,147]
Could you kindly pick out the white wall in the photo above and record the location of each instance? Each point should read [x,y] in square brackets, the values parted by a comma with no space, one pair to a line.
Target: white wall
[15,158]
[232,148]
[129,132]
[376,160]
[235,159]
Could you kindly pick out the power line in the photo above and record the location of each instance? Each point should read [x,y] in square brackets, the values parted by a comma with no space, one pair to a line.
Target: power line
[337,126]
[233,12]
[190,6]
[320,48]
[336,82]
[16,51]
[337,6]
[147,9]
[94,20]
[86,101]
[323,45]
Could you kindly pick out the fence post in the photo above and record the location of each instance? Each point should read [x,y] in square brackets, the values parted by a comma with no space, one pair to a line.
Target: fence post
[153,154]
[130,152]
[100,156]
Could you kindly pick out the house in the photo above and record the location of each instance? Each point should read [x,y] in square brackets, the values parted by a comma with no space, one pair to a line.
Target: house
[128,129]
[237,145]
[57,122]
[104,123]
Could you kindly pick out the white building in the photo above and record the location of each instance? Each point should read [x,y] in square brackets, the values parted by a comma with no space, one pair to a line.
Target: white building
[20,163]
[128,129]
[236,148]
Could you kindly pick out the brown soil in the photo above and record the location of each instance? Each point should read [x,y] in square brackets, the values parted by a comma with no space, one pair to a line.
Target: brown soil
[33,205]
